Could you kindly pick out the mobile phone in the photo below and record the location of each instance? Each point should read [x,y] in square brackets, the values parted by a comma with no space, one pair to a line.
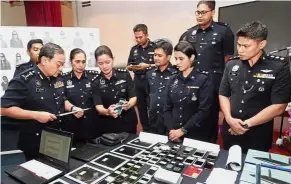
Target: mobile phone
[199,163]
[151,171]
[189,160]
[143,180]
[211,157]
[209,165]
[199,153]
[118,109]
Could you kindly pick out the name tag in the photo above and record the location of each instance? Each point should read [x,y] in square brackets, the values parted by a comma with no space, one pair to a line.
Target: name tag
[70,86]
[40,90]
[193,87]
[120,82]
[264,76]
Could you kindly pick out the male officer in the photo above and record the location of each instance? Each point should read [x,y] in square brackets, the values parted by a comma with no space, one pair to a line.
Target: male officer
[141,55]
[158,78]
[254,89]
[36,96]
[33,48]
[214,43]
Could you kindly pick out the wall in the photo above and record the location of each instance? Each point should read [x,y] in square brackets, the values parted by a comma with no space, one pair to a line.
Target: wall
[67,15]
[12,16]
[116,20]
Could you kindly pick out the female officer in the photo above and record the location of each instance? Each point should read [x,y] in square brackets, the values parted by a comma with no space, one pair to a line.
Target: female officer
[78,92]
[188,98]
[111,86]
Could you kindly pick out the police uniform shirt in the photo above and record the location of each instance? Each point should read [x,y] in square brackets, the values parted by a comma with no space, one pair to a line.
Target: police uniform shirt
[251,89]
[211,44]
[22,67]
[32,90]
[138,55]
[158,80]
[188,101]
[78,91]
[109,91]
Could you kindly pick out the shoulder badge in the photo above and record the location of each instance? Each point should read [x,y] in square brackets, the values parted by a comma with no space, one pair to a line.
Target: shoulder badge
[121,69]
[222,24]
[28,74]
[234,58]
[95,77]
[273,57]
[92,72]
[65,74]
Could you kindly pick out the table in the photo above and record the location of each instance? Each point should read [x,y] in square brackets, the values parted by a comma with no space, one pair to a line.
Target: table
[16,159]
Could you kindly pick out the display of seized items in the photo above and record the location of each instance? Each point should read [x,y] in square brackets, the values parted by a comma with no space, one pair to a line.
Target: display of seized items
[137,142]
[112,139]
[127,151]
[87,175]
[53,160]
[110,161]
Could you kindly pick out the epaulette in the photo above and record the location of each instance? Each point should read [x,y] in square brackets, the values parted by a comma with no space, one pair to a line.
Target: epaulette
[27,74]
[234,58]
[273,57]
[173,69]
[121,69]
[95,77]
[202,72]
[222,24]
[17,66]
[192,27]
[66,73]
[94,72]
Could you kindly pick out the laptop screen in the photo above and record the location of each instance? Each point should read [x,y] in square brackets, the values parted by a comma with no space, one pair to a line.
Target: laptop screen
[55,144]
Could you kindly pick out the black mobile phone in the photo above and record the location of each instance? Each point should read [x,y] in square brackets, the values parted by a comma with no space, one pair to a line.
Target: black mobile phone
[189,160]
[151,171]
[199,153]
[199,163]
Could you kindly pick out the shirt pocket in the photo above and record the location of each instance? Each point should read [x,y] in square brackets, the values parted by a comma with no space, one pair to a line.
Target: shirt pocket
[233,79]
[193,94]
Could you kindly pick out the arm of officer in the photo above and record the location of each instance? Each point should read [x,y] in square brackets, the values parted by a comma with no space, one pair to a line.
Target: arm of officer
[280,96]
[168,108]
[131,93]
[228,44]
[71,107]
[224,95]
[15,97]
[205,101]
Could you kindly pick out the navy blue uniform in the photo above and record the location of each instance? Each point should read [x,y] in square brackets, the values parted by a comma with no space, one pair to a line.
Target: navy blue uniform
[22,67]
[211,44]
[137,55]
[251,89]
[79,93]
[187,104]
[109,91]
[32,90]
[157,88]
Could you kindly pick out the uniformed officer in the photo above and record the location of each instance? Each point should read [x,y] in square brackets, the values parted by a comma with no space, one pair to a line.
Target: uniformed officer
[254,89]
[141,55]
[36,96]
[111,86]
[188,98]
[214,43]
[33,48]
[158,78]
[78,91]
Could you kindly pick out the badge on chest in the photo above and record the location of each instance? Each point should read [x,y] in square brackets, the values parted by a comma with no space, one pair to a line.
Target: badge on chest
[70,84]
[58,84]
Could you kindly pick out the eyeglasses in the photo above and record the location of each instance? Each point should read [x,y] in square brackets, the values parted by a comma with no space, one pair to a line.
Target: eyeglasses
[197,13]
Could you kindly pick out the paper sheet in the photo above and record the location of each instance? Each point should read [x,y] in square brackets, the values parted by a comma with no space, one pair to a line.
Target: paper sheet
[152,138]
[234,158]
[166,176]
[219,175]
[40,169]
[201,145]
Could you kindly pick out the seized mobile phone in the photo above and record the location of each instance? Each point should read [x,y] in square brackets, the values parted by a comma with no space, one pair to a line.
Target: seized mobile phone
[189,160]
[199,163]
[199,153]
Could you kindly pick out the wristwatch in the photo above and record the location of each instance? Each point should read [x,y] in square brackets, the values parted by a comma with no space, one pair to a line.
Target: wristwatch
[72,108]
[246,126]
[184,130]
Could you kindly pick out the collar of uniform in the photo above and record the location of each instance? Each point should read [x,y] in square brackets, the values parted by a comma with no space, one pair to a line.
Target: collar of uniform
[210,27]
[169,68]
[39,73]
[114,75]
[190,76]
[150,44]
[31,63]
[84,74]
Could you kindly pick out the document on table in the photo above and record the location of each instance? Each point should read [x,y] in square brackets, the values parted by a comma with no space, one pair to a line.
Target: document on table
[219,175]
[41,169]
[234,158]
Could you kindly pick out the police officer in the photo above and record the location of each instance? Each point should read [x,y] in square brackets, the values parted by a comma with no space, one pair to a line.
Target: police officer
[214,43]
[254,89]
[141,55]
[188,98]
[36,96]
[158,78]
[111,86]
[33,48]
[78,91]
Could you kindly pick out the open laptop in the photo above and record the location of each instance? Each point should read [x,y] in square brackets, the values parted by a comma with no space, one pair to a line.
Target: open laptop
[53,161]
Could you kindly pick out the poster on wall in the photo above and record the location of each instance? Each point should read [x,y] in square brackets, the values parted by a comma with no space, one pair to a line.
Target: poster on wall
[14,39]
